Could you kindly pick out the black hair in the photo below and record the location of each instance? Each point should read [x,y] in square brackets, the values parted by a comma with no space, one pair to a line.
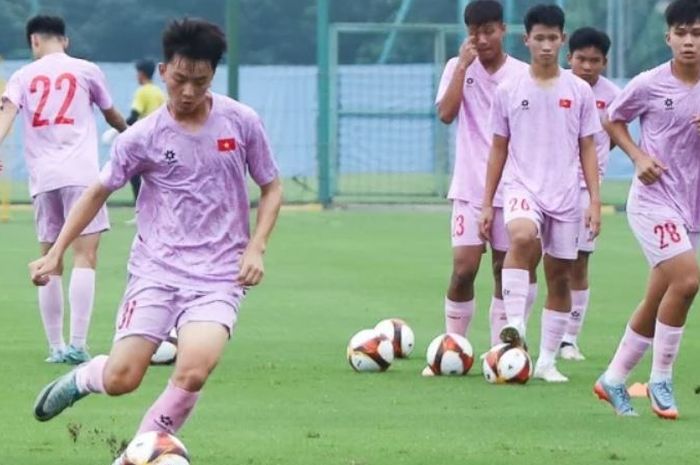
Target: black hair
[546,15]
[683,12]
[195,39]
[480,12]
[146,67]
[44,24]
[589,37]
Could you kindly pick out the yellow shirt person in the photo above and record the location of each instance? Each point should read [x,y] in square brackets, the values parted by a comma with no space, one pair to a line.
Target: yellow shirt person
[148,96]
[147,99]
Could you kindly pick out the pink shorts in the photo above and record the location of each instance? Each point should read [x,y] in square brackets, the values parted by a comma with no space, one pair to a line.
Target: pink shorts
[150,309]
[662,235]
[51,210]
[585,243]
[465,226]
[559,238]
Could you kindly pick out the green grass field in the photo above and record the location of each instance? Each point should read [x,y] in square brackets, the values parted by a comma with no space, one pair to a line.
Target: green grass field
[284,393]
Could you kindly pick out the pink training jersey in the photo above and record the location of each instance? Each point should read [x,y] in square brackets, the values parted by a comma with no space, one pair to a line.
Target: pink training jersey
[605,92]
[473,133]
[55,95]
[544,125]
[192,209]
[665,107]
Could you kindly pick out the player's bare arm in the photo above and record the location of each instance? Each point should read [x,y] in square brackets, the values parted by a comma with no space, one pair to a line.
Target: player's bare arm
[494,171]
[648,169]
[82,213]
[115,119]
[605,122]
[8,112]
[589,165]
[252,268]
[448,107]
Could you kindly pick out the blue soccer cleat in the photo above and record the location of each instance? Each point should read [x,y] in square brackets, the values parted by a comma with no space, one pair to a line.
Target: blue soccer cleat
[662,401]
[75,355]
[57,396]
[56,356]
[616,395]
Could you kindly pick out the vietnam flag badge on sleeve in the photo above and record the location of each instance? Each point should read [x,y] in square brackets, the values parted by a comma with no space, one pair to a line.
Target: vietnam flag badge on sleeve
[226,145]
[565,103]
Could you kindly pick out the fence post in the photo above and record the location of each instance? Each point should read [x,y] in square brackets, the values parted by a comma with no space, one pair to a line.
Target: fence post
[441,132]
[232,9]
[325,195]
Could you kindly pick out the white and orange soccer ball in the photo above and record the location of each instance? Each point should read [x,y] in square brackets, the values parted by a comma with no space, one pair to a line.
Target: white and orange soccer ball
[370,351]
[166,353]
[505,363]
[400,334]
[449,354]
[155,448]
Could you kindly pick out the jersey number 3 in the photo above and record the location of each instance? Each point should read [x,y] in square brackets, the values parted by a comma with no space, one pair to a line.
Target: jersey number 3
[44,83]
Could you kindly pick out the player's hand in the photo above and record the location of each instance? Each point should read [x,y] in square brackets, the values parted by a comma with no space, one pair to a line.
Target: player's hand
[593,220]
[41,269]
[467,52]
[251,266]
[649,170]
[485,222]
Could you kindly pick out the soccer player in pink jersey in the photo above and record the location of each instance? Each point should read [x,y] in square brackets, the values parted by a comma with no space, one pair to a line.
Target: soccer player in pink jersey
[543,123]
[193,257]
[662,209]
[55,95]
[465,93]
[588,50]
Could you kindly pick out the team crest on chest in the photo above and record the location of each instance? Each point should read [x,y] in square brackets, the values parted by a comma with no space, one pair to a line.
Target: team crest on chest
[170,157]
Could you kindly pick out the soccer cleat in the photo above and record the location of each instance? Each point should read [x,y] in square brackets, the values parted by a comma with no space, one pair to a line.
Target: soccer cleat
[75,355]
[616,395]
[662,402]
[512,334]
[569,351]
[56,356]
[550,374]
[57,396]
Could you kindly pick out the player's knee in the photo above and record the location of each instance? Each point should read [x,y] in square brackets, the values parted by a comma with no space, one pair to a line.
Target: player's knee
[85,259]
[119,380]
[463,275]
[559,284]
[687,286]
[521,241]
[191,379]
